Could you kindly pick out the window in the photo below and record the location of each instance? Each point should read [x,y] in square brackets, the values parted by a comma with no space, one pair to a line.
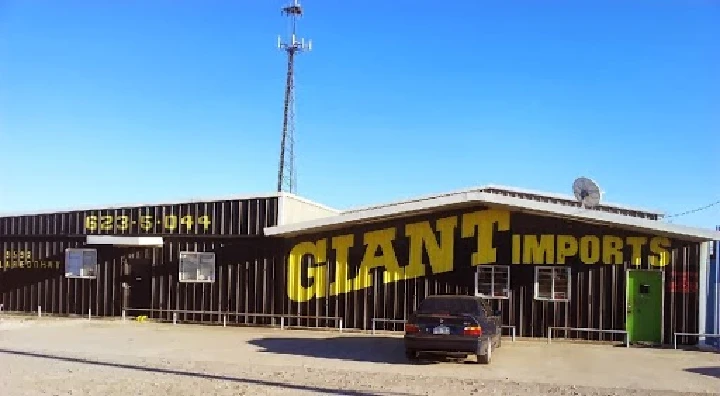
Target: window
[81,263]
[197,267]
[492,281]
[552,283]
[452,305]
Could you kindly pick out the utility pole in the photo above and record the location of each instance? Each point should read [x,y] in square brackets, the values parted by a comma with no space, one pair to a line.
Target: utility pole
[287,177]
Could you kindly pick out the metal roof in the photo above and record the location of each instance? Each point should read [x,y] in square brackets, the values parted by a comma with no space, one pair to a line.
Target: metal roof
[173,202]
[470,197]
[529,194]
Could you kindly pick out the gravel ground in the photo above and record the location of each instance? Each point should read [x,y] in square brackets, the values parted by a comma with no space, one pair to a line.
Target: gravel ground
[80,357]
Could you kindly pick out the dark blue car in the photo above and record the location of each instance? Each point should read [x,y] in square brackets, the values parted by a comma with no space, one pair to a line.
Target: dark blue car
[454,326]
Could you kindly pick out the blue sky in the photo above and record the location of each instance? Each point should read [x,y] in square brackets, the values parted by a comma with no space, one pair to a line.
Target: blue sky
[105,102]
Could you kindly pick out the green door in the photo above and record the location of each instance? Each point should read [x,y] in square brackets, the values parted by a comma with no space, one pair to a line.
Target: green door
[644,306]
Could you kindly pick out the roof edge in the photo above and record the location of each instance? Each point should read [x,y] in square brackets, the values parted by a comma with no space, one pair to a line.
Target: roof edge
[494,199]
[572,198]
[310,202]
[234,197]
[424,197]
[374,213]
[480,188]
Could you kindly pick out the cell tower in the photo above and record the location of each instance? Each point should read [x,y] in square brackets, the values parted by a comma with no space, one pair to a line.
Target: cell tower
[287,179]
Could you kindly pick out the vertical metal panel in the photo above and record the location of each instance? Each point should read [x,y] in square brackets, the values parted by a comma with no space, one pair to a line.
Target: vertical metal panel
[597,290]
[27,283]
[246,280]
[252,273]
[230,217]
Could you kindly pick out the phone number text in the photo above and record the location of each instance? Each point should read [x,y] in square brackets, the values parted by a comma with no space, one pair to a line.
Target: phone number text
[147,222]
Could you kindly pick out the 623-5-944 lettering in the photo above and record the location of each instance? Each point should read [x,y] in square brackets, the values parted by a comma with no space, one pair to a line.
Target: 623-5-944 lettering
[147,223]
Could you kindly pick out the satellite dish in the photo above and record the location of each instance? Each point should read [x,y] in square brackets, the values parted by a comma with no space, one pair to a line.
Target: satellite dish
[587,192]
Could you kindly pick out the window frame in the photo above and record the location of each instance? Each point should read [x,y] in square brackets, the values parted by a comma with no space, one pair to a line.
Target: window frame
[210,278]
[568,271]
[493,282]
[83,268]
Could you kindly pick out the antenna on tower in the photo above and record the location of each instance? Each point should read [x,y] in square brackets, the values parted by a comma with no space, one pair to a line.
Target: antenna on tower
[287,179]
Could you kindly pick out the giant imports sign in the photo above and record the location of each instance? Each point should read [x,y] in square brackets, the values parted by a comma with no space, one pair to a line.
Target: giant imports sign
[438,241]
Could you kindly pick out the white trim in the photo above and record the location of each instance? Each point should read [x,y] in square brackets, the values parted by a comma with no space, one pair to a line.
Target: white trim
[466,198]
[554,268]
[123,240]
[571,198]
[196,281]
[281,209]
[492,287]
[703,281]
[309,202]
[425,197]
[285,209]
[567,198]
[380,212]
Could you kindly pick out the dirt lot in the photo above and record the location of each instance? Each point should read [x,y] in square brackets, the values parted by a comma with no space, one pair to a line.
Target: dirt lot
[80,357]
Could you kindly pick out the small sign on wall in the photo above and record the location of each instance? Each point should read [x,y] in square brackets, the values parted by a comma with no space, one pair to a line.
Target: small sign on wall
[683,282]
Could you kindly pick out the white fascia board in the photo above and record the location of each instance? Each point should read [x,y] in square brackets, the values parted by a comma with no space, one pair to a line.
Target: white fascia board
[549,209]
[369,214]
[604,217]
[309,202]
[123,240]
[571,198]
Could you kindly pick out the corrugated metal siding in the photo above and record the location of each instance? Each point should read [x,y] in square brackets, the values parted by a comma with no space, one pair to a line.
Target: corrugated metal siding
[598,301]
[252,275]
[598,290]
[26,282]
[245,275]
[243,217]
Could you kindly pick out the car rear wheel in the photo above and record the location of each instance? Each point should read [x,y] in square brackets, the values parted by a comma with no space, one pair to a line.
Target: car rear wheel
[487,357]
[412,355]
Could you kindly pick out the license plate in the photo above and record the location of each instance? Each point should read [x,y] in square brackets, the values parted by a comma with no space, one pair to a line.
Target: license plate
[441,330]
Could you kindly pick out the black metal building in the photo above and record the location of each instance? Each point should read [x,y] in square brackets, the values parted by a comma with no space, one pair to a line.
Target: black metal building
[540,259]
[135,257]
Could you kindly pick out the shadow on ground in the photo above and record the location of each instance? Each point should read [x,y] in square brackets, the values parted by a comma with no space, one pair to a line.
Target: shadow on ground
[388,350]
[291,387]
[707,371]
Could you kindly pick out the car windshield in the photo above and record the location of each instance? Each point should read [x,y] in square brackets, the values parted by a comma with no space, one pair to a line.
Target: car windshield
[452,306]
